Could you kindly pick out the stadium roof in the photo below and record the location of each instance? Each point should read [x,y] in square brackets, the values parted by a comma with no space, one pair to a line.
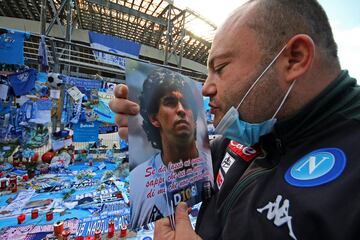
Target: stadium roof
[156,23]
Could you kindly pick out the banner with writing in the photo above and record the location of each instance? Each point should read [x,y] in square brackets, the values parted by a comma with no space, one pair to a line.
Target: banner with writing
[84,85]
[86,131]
[114,45]
[87,226]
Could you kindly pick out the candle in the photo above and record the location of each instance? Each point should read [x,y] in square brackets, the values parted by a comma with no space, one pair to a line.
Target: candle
[34,213]
[21,218]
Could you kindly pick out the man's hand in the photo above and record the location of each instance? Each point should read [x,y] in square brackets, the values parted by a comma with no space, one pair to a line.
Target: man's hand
[123,108]
[183,228]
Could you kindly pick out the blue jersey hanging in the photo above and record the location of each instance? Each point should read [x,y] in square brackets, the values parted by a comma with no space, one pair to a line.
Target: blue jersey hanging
[23,82]
[12,47]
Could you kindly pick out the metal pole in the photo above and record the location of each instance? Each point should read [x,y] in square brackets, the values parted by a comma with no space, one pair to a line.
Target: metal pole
[168,36]
[56,67]
[68,32]
[67,67]
[182,40]
[56,16]
[43,17]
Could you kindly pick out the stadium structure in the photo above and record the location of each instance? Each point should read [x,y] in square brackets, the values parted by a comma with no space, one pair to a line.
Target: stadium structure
[165,32]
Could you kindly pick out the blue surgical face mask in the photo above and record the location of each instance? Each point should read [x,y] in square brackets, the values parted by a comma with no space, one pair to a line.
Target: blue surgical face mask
[243,132]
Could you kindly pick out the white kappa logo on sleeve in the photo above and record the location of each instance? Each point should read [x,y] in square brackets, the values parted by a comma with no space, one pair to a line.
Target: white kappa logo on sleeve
[280,215]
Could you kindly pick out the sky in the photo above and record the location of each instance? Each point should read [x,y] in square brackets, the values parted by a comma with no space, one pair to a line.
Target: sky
[344,17]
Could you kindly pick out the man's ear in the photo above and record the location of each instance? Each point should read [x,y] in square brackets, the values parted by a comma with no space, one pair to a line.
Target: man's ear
[154,121]
[299,56]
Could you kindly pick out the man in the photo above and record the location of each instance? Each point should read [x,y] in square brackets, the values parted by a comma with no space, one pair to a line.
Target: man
[169,113]
[275,62]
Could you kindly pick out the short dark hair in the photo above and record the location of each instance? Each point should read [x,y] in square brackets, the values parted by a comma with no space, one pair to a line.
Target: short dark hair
[158,83]
[276,21]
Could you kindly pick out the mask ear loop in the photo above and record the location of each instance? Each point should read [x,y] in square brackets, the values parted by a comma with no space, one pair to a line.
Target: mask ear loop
[262,74]
[284,99]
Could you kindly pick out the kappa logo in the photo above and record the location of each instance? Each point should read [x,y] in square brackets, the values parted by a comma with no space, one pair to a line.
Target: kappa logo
[317,168]
[227,162]
[280,215]
[219,179]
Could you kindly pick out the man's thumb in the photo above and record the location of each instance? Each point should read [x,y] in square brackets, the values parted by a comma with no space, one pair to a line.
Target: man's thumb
[182,216]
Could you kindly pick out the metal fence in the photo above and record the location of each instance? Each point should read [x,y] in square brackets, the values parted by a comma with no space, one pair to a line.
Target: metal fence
[77,59]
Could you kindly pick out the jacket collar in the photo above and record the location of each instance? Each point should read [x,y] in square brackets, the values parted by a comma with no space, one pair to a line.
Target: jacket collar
[323,111]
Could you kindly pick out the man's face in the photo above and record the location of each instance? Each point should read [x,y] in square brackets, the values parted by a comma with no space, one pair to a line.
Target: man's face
[235,61]
[175,117]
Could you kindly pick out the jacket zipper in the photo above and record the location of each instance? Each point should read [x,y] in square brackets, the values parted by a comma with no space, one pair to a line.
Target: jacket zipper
[229,202]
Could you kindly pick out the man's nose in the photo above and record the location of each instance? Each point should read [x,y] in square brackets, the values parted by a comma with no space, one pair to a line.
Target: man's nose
[180,110]
[209,88]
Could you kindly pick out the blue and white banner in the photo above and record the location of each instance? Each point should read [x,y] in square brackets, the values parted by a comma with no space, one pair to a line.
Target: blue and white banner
[87,226]
[19,202]
[86,131]
[114,45]
[82,82]
[84,85]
